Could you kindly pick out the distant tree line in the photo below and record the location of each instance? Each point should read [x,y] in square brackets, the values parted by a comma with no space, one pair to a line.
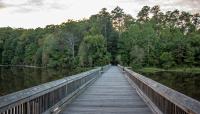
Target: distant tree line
[153,38]
[164,40]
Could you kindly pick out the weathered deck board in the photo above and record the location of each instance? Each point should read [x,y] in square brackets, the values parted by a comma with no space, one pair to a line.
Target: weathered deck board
[110,94]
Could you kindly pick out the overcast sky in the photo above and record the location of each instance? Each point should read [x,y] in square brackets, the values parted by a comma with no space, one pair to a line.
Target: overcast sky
[39,13]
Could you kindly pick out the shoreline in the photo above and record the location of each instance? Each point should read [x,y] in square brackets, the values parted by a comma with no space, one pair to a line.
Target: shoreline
[27,66]
[180,69]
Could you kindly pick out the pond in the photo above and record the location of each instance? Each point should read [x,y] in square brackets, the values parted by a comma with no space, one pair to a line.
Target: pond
[186,83]
[13,79]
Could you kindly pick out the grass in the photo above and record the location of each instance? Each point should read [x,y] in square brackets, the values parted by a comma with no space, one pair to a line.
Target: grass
[186,69]
[150,69]
[179,69]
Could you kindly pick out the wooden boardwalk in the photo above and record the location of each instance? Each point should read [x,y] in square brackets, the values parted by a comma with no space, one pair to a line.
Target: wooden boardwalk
[110,94]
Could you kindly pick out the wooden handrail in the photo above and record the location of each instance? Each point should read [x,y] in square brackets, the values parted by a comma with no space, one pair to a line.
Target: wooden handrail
[167,100]
[42,98]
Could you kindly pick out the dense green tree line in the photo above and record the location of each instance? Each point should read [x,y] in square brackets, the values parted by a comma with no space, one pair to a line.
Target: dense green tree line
[70,44]
[166,40]
[154,38]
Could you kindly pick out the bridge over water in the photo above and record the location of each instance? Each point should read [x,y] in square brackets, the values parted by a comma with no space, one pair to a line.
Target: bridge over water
[110,94]
[103,90]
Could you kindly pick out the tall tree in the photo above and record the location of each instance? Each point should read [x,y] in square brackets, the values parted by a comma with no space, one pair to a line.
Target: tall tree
[196,21]
[143,15]
[118,19]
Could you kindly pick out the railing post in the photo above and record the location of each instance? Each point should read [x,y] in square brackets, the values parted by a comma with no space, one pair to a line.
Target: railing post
[28,108]
[101,71]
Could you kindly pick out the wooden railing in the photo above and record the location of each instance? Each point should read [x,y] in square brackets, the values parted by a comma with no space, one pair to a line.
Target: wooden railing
[48,97]
[161,99]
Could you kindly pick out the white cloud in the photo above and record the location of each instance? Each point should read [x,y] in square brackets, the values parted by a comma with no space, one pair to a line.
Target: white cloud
[39,13]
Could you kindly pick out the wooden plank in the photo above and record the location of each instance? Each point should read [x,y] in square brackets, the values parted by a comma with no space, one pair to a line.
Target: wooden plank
[106,110]
[110,94]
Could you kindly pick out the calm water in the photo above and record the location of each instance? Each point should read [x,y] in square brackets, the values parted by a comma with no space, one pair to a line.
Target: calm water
[13,79]
[186,83]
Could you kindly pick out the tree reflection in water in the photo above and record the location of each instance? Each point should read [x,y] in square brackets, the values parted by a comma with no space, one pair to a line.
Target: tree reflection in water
[186,83]
[13,79]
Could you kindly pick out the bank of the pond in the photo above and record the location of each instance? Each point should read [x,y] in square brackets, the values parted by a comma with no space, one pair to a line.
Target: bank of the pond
[76,69]
[180,69]
[27,66]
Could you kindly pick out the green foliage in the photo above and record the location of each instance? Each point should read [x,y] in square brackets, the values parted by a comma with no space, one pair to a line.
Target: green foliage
[164,40]
[93,52]
[166,60]
[137,56]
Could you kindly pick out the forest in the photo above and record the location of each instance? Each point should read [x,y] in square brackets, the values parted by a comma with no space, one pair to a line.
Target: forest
[152,39]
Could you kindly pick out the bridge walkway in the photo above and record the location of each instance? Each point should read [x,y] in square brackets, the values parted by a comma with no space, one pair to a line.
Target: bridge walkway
[110,94]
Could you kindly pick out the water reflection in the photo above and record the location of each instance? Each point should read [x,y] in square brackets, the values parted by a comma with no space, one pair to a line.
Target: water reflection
[186,83]
[14,79]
